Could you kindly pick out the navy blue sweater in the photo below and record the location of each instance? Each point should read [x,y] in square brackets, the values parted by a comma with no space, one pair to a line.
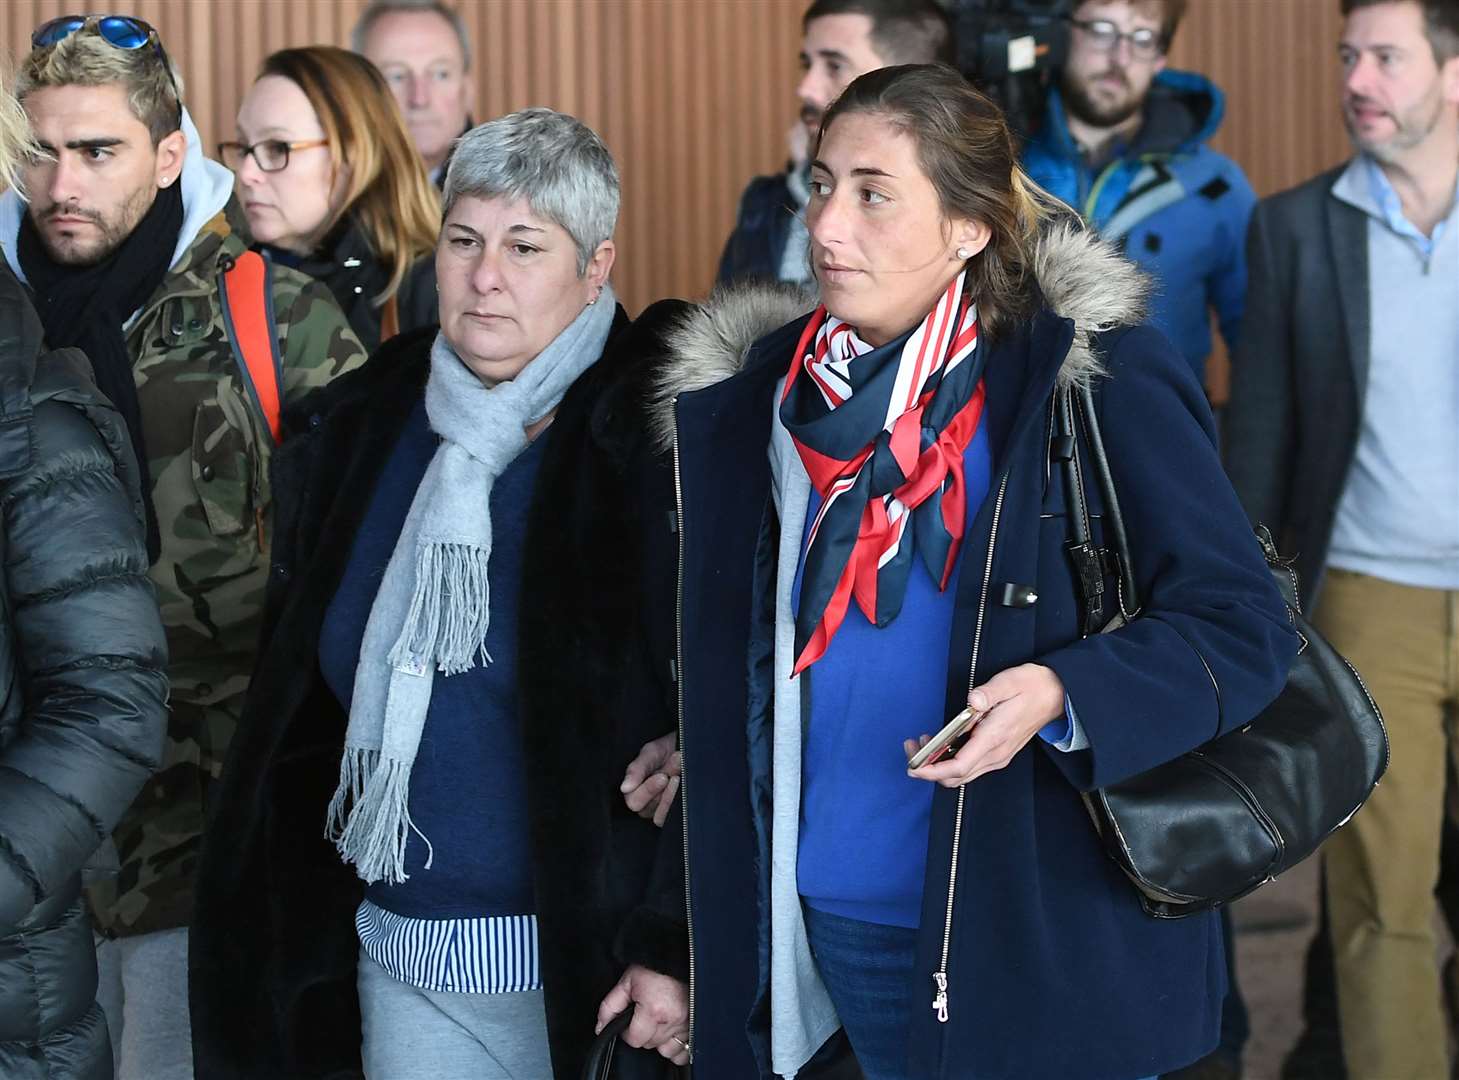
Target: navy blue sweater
[467,787]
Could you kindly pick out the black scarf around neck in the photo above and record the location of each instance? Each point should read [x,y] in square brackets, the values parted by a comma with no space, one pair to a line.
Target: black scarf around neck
[86,307]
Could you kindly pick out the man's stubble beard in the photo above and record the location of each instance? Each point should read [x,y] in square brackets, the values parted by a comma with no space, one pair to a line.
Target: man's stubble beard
[113,233]
[1083,105]
[1410,130]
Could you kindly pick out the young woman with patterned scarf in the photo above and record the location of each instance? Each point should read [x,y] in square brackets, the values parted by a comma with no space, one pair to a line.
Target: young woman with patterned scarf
[871,540]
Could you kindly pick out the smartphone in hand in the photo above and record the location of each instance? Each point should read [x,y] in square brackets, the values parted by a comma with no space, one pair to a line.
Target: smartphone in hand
[947,741]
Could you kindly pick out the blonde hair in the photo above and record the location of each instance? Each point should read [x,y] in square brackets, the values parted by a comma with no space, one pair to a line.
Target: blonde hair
[16,141]
[970,155]
[87,59]
[387,190]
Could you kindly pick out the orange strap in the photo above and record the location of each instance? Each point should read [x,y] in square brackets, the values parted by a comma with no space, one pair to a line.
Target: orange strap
[389,320]
[247,297]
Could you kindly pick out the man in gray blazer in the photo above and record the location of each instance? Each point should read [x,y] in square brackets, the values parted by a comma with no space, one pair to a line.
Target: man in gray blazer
[1343,435]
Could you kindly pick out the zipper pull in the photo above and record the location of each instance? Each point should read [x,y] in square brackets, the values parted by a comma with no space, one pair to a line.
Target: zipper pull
[939,1000]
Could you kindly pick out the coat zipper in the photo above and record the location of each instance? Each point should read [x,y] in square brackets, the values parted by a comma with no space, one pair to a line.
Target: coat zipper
[679,689]
[939,977]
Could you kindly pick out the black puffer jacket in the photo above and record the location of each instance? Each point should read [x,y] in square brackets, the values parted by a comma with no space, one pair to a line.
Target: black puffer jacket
[82,687]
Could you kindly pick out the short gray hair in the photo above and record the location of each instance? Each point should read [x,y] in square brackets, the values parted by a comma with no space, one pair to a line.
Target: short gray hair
[377,8]
[553,161]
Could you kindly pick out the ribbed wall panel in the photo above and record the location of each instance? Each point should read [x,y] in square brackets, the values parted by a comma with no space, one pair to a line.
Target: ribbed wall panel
[1277,62]
[694,96]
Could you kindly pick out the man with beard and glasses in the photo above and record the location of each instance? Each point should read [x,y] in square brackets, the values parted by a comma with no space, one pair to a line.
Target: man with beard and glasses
[842,39]
[1343,436]
[124,243]
[1123,141]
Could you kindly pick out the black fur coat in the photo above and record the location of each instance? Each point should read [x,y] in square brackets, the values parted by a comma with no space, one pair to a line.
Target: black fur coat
[273,947]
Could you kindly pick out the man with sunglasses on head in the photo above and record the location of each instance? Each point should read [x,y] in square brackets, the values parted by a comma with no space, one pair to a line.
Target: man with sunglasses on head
[125,242]
[1123,140]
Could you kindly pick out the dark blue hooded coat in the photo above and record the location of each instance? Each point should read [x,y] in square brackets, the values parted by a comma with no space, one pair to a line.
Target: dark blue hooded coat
[1055,972]
[1178,208]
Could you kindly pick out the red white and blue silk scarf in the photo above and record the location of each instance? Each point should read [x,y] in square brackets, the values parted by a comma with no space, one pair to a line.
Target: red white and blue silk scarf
[882,432]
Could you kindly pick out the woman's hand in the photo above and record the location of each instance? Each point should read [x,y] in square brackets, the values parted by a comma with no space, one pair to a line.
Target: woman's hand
[652,779]
[1013,706]
[660,1016]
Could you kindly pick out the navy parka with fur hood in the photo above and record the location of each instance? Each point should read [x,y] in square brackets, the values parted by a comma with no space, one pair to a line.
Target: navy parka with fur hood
[1054,970]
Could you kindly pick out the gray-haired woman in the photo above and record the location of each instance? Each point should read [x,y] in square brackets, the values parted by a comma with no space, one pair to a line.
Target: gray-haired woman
[489,894]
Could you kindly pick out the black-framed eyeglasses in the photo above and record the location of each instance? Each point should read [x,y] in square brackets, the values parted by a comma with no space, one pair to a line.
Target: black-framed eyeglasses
[270,155]
[119,31]
[1145,44]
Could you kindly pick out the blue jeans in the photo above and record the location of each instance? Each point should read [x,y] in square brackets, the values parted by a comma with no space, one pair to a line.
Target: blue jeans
[867,969]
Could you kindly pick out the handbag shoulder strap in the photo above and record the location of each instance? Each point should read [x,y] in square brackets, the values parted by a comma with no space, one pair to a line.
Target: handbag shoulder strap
[1074,409]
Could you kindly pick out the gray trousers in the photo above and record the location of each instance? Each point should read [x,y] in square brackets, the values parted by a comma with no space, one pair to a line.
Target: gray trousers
[411,1033]
[142,988]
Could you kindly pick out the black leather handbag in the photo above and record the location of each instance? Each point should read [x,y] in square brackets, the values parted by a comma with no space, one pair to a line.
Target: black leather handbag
[603,1055]
[1229,816]
[599,1065]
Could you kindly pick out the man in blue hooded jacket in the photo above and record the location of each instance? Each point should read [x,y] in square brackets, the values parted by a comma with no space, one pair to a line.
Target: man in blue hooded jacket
[1123,141]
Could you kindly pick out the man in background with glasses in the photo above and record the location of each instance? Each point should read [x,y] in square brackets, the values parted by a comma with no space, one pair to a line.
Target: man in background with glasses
[1123,141]
[124,242]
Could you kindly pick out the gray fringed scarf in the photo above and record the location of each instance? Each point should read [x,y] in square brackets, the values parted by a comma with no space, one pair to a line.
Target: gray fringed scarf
[433,607]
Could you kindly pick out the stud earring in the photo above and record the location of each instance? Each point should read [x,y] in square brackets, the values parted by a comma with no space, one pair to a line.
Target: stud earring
[166,180]
[964,254]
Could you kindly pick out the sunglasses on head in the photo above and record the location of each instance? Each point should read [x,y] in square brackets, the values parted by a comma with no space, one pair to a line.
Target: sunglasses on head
[120,31]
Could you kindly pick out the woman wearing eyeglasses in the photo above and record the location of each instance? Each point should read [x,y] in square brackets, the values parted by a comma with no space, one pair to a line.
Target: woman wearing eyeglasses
[331,184]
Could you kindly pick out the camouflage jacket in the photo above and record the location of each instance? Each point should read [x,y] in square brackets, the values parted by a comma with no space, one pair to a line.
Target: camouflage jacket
[209,449]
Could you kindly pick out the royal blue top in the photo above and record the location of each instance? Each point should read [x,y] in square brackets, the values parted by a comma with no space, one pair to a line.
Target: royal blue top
[863,822]
[467,787]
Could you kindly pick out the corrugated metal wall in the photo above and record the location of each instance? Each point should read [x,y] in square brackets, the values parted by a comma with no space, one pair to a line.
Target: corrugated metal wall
[694,96]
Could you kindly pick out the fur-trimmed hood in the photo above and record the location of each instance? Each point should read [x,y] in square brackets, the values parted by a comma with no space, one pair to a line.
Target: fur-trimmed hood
[1082,278]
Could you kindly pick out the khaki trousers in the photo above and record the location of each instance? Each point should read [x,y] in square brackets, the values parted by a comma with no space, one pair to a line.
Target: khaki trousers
[1381,868]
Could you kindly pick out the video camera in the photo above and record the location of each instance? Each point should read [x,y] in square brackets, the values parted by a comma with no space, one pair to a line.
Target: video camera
[1009,49]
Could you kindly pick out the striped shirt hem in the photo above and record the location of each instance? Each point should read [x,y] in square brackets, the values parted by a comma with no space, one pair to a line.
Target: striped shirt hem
[488,955]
